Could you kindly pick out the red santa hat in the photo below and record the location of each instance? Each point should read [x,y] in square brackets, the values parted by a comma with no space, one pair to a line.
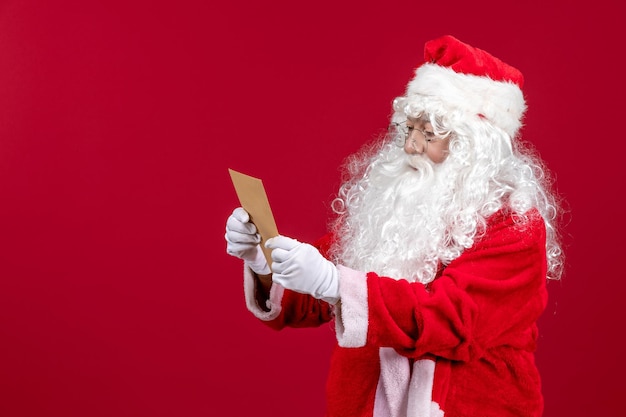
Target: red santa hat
[460,77]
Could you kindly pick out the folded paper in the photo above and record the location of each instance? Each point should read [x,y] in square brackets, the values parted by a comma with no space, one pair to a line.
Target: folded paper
[253,199]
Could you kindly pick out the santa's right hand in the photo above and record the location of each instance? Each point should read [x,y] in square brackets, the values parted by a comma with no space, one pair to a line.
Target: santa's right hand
[242,241]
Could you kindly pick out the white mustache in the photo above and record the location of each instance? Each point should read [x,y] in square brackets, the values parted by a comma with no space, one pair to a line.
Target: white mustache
[419,162]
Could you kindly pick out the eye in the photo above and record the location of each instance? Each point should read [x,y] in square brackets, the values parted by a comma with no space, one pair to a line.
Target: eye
[429,135]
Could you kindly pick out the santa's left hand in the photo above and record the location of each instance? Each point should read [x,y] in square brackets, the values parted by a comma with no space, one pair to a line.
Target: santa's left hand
[300,267]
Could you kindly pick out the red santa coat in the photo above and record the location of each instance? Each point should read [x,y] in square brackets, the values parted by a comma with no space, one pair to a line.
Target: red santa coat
[461,346]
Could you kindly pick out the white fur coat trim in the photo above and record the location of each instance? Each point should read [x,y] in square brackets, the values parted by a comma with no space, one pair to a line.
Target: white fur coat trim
[402,393]
[273,304]
[351,312]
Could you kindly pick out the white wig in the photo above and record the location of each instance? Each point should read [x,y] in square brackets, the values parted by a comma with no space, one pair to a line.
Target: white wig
[430,216]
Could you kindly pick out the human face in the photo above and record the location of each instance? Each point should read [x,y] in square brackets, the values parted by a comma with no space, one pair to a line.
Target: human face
[421,140]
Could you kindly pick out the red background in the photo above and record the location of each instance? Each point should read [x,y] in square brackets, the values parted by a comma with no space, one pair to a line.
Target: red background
[118,121]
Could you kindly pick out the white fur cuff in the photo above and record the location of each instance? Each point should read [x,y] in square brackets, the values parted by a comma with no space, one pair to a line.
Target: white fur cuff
[273,304]
[351,312]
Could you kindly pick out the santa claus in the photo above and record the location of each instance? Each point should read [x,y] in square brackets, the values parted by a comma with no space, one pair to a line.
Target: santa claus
[435,268]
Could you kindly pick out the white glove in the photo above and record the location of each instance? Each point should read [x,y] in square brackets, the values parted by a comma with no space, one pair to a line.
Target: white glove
[300,267]
[242,241]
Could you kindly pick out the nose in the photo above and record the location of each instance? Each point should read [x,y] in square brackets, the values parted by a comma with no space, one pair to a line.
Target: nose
[414,145]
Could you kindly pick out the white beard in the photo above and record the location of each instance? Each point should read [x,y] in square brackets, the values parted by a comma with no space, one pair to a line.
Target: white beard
[394,221]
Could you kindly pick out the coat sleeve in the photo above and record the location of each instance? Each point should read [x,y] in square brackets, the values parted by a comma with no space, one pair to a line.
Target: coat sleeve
[490,296]
[286,308]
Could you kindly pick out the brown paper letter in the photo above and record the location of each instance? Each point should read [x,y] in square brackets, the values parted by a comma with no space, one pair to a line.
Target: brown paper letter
[253,199]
